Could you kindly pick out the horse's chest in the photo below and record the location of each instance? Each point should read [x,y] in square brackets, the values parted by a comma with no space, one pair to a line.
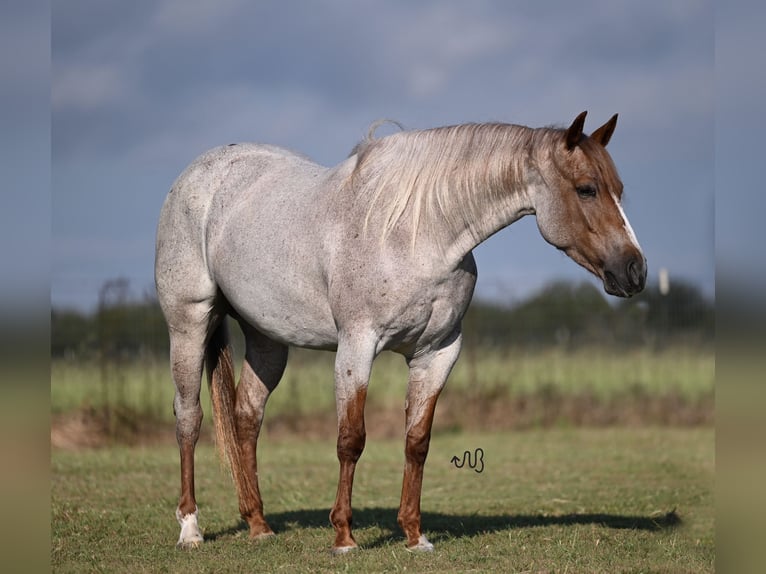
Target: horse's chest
[425,323]
[428,315]
[408,310]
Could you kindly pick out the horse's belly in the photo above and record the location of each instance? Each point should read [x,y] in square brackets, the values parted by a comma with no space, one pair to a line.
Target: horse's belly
[286,309]
[297,330]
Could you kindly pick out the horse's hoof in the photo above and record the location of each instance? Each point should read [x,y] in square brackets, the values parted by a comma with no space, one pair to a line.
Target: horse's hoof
[340,550]
[423,545]
[191,536]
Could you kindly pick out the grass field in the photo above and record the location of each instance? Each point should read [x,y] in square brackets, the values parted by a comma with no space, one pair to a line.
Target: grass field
[592,485]
[600,375]
[563,500]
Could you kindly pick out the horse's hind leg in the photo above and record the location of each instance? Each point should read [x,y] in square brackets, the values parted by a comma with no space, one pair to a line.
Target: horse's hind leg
[428,373]
[264,364]
[187,353]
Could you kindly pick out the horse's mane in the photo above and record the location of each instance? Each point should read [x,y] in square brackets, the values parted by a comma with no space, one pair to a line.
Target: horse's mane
[453,174]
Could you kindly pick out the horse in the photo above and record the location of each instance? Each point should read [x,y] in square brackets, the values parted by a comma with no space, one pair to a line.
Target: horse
[373,254]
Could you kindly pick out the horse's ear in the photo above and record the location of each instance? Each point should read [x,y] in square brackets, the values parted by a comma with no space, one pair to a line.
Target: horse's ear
[603,134]
[574,133]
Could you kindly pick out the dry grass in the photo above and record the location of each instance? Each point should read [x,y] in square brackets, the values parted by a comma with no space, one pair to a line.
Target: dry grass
[95,405]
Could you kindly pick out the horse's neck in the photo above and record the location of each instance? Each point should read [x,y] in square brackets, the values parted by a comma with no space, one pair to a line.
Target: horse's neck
[496,217]
[497,208]
[450,188]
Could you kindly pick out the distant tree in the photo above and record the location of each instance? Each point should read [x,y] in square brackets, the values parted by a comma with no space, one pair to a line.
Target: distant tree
[683,309]
[132,327]
[72,333]
[562,312]
[487,323]
[122,326]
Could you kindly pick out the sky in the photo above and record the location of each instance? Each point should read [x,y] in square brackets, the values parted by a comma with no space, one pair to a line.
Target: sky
[25,155]
[139,89]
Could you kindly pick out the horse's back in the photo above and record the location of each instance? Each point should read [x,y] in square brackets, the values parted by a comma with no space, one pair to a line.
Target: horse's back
[231,168]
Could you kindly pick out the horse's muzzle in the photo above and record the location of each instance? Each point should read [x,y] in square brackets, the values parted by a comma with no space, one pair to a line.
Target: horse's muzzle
[625,278]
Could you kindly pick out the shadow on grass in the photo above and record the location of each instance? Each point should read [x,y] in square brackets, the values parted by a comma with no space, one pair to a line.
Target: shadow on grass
[440,526]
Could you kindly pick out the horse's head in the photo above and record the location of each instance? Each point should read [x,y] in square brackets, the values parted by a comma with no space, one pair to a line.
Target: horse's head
[578,209]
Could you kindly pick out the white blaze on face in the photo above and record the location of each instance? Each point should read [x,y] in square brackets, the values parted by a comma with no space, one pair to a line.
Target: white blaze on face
[626,223]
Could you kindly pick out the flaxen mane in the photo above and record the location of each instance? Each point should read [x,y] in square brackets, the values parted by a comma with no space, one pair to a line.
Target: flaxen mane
[450,174]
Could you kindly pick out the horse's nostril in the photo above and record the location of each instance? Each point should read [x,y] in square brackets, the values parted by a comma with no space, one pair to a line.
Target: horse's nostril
[636,274]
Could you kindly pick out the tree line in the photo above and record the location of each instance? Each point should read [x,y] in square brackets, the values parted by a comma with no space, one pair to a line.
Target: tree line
[562,313]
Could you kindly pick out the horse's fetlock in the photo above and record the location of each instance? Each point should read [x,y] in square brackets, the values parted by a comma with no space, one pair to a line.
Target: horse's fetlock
[340,518]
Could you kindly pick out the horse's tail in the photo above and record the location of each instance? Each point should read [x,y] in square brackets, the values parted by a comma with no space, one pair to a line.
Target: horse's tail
[223,396]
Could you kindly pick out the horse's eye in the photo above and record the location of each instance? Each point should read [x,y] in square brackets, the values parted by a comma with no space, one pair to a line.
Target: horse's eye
[586,190]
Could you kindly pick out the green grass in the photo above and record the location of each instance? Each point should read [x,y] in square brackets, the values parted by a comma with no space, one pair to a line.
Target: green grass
[563,500]
[307,385]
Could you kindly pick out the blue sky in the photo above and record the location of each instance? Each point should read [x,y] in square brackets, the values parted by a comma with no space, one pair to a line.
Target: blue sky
[138,89]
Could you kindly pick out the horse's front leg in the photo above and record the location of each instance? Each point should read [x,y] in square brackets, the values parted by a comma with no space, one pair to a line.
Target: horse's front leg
[428,373]
[353,363]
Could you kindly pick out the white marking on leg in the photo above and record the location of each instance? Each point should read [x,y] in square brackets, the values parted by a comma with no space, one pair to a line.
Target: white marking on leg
[423,545]
[340,550]
[191,536]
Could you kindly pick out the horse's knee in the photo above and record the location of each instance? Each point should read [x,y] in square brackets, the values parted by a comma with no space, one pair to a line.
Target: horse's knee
[351,443]
[416,447]
[351,431]
[420,416]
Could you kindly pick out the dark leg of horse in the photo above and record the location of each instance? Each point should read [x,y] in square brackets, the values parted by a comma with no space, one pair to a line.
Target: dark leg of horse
[264,364]
[352,372]
[428,373]
[187,356]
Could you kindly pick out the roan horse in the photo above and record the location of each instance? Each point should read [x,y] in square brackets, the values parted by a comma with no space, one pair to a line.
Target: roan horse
[373,254]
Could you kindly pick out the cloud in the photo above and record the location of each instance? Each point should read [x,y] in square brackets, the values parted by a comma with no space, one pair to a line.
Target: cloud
[424,61]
